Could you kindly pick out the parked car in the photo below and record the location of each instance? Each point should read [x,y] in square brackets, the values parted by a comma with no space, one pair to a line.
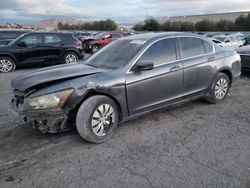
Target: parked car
[83,35]
[244,52]
[6,36]
[227,42]
[246,40]
[100,40]
[40,49]
[129,77]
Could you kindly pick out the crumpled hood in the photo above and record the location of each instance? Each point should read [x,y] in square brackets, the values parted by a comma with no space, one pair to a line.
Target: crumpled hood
[66,71]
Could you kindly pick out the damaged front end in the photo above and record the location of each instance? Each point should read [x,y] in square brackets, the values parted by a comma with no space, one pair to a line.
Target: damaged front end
[48,96]
[46,112]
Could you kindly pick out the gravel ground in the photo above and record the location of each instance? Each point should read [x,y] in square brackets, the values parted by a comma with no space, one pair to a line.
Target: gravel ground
[190,145]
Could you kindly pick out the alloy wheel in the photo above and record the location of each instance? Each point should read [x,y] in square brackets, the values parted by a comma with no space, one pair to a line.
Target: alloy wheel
[95,48]
[102,119]
[70,58]
[5,65]
[221,88]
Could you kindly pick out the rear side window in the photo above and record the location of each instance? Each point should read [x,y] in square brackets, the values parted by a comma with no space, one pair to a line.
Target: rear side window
[160,52]
[191,47]
[52,38]
[208,46]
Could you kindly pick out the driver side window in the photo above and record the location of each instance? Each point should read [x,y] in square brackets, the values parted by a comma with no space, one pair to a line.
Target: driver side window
[32,40]
[163,51]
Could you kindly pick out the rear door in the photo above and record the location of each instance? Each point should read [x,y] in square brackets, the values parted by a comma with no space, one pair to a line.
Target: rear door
[155,88]
[53,46]
[198,62]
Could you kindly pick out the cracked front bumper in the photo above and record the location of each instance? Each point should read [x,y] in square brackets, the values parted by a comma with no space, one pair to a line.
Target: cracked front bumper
[47,120]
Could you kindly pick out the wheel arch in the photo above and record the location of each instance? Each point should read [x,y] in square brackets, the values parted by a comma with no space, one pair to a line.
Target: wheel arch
[93,92]
[97,44]
[228,72]
[72,51]
[9,56]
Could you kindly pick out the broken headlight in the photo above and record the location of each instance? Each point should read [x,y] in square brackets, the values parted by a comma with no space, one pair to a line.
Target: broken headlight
[48,101]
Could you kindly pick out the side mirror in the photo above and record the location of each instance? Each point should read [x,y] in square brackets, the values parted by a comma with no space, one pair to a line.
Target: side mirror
[143,66]
[21,44]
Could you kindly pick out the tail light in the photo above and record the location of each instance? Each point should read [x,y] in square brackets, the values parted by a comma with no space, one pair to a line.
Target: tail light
[78,43]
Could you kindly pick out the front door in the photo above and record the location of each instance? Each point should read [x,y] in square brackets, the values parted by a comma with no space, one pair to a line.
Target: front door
[157,87]
[28,49]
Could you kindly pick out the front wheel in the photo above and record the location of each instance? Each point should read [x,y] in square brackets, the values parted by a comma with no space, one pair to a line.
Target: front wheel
[219,89]
[7,65]
[97,119]
[95,48]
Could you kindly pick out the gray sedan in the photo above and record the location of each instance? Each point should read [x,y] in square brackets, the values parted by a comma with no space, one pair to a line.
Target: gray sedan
[127,78]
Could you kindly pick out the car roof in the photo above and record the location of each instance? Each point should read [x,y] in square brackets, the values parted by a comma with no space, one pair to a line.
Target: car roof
[48,32]
[155,36]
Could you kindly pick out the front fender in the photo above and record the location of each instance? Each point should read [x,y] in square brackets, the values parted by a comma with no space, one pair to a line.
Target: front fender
[6,54]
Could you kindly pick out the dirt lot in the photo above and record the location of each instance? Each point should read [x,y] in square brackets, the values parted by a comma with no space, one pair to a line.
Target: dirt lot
[189,145]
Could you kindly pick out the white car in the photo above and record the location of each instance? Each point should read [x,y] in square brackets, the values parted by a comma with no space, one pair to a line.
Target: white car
[227,42]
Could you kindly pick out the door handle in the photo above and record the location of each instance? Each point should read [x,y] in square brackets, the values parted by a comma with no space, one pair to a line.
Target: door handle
[211,59]
[175,68]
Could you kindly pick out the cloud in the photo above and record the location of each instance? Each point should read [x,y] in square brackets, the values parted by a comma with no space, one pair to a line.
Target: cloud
[122,11]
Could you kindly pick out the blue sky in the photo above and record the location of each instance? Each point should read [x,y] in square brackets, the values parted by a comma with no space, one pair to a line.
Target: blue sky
[126,11]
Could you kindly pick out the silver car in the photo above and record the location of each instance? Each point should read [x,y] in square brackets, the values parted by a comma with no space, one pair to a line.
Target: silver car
[129,77]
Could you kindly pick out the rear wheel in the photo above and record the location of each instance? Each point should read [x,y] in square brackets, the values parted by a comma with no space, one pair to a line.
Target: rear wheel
[7,64]
[97,119]
[70,57]
[219,89]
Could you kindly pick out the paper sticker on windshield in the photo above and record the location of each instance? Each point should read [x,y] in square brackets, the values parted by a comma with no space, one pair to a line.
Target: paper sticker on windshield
[138,42]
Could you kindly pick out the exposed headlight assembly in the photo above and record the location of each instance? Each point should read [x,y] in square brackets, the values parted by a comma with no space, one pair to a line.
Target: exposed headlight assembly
[48,101]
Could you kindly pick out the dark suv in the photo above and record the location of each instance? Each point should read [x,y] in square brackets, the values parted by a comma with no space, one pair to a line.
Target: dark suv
[6,36]
[39,49]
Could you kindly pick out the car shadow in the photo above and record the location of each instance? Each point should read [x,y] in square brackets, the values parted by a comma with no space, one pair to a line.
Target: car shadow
[245,74]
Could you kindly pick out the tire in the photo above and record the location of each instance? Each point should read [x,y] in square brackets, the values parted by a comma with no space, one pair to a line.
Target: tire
[219,89]
[91,125]
[70,57]
[7,65]
[95,48]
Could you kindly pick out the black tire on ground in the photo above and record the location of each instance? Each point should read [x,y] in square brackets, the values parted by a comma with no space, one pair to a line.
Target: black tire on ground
[70,57]
[95,48]
[211,96]
[86,113]
[7,64]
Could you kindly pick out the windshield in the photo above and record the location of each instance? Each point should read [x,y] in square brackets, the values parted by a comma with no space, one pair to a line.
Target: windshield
[14,41]
[98,35]
[115,55]
[220,38]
